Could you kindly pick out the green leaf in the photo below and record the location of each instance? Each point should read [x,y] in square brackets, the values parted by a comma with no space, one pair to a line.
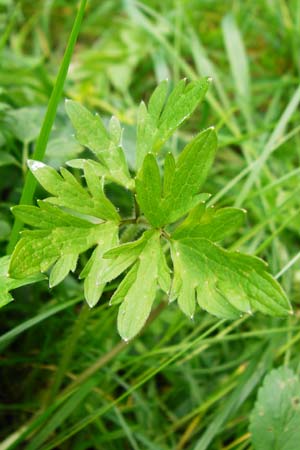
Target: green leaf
[70,194]
[164,277]
[80,163]
[183,286]
[47,216]
[38,250]
[124,286]
[59,239]
[137,303]
[157,124]
[227,283]
[148,189]
[89,128]
[157,100]
[7,284]
[193,217]
[6,159]
[106,145]
[123,256]
[181,189]
[180,105]
[275,419]
[62,267]
[214,224]
[97,265]
[169,171]
[146,128]
[25,123]
[191,170]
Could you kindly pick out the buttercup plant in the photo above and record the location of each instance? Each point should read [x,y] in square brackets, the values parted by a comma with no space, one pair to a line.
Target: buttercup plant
[175,247]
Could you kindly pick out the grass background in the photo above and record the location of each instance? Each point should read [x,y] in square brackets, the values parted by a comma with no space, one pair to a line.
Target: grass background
[67,381]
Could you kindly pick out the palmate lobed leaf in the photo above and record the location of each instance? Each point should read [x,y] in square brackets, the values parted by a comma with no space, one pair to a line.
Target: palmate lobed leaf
[105,144]
[184,178]
[80,217]
[57,242]
[38,250]
[164,115]
[226,283]
[69,193]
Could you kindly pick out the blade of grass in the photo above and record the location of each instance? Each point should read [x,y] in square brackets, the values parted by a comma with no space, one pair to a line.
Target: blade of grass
[41,144]
[248,381]
[67,353]
[140,382]
[11,334]
[274,138]
[239,66]
[61,415]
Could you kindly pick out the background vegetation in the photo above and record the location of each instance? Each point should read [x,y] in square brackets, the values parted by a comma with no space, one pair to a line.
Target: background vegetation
[67,380]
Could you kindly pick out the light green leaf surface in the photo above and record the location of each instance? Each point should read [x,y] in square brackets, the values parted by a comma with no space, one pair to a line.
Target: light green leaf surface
[183,287]
[145,134]
[7,284]
[89,128]
[62,267]
[59,239]
[93,284]
[274,422]
[124,286]
[227,283]
[164,276]
[157,123]
[26,122]
[214,224]
[123,256]
[138,301]
[106,144]
[158,99]
[181,189]
[169,171]
[180,105]
[148,189]
[192,168]
[69,193]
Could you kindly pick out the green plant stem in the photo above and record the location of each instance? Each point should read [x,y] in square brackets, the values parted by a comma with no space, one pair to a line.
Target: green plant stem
[41,144]
[25,157]
[68,352]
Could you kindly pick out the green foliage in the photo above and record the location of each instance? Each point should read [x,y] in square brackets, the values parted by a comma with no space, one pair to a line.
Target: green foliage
[163,117]
[183,181]
[182,384]
[8,283]
[170,215]
[274,421]
[91,133]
